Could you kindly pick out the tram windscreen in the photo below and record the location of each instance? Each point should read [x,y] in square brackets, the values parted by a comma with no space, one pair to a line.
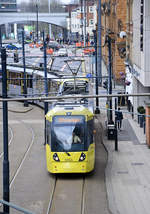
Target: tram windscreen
[67,133]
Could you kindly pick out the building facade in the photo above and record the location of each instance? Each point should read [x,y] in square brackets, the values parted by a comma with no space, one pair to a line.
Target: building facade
[83,20]
[138,63]
[113,23]
[8,6]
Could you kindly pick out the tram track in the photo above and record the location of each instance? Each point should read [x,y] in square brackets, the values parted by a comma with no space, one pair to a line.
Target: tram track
[65,189]
[83,197]
[49,194]
[18,167]
[10,140]
[82,194]
[51,197]
[23,157]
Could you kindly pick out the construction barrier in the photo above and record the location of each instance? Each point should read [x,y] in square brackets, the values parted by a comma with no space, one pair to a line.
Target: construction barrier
[49,51]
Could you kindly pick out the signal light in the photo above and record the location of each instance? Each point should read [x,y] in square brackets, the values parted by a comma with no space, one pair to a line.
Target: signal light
[105,84]
[16,58]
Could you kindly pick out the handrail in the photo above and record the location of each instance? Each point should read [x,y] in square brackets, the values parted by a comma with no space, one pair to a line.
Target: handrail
[15,207]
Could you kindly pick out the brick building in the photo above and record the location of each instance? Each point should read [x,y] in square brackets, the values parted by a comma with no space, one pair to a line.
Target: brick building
[77,18]
[114,15]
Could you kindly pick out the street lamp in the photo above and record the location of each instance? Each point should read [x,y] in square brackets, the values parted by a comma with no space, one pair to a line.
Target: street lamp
[37,21]
[108,42]
[97,111]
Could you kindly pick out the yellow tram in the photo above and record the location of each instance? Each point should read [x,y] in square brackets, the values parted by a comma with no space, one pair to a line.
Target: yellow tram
[71,86]
[70,147]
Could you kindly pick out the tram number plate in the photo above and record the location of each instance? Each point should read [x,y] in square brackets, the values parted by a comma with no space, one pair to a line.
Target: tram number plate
[68,160]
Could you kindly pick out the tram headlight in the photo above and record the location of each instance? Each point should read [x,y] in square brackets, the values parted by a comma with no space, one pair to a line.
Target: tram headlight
[82,157]
[55,157]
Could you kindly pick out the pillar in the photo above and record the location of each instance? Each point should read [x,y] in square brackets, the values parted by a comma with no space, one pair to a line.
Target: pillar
[15,31]
[50,31]
[148,126]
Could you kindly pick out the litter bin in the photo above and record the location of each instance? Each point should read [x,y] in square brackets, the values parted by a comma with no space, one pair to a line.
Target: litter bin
[111,131]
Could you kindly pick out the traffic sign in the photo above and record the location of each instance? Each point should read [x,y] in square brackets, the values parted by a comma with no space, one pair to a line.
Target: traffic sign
[89,75]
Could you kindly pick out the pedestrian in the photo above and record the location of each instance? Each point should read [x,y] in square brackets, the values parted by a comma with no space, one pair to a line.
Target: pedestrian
[47,39]
[119,118]
[129,105]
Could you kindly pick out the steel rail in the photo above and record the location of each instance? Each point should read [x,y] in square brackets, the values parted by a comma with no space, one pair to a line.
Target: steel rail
[51,197]
[46,99]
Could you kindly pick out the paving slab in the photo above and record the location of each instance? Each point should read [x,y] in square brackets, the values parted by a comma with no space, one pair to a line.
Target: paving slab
[127,172]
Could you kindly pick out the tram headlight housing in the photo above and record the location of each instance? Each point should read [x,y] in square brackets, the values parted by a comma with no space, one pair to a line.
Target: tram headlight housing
[55,157]
[82,157]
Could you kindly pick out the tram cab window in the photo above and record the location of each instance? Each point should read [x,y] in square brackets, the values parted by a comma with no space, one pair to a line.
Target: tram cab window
[67,134]
[89,132]
[81,87]
[48,136]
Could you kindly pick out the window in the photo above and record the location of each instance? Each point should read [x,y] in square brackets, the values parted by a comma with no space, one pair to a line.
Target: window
[91,9]
[91,22]
[90,125]
[63,131]
[141,24]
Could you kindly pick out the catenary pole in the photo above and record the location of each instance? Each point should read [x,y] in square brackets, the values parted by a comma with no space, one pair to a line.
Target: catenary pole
[82,18]
[37,21]
[84,1]
[99,50]
[5,133]
[108,41]
[45,82]
[24,71]
[0,37]
[97,111]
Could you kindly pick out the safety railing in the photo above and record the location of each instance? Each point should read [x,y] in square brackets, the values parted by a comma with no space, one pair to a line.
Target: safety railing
[22,210]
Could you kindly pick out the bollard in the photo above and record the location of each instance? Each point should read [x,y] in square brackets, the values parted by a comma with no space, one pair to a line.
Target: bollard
[144,126]
[141,121]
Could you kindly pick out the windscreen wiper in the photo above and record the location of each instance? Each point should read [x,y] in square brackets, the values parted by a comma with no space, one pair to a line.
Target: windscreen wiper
[68,153]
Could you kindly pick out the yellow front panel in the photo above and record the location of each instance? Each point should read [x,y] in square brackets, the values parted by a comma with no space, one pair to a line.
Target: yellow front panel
[70,164]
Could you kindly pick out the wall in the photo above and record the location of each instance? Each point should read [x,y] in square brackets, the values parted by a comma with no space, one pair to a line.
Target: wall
[110,22]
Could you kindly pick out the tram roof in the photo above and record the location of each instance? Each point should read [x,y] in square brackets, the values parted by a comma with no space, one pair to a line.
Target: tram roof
[69,109]
[31,71]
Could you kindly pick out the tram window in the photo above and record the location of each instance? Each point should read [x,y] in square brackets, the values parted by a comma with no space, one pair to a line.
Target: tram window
[48,131]
[62,134]
[90,132]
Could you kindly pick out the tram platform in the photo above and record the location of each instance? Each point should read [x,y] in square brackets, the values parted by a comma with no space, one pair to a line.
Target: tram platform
[128,169]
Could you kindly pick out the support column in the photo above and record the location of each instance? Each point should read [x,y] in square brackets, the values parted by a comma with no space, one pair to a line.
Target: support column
[15,30]
[7,30]
[50,31]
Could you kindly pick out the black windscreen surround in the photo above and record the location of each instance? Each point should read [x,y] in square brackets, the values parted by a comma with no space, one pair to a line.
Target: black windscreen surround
[68,133]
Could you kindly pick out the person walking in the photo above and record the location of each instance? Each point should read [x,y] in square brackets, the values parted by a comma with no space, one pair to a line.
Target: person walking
[119,118]
[47,39]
